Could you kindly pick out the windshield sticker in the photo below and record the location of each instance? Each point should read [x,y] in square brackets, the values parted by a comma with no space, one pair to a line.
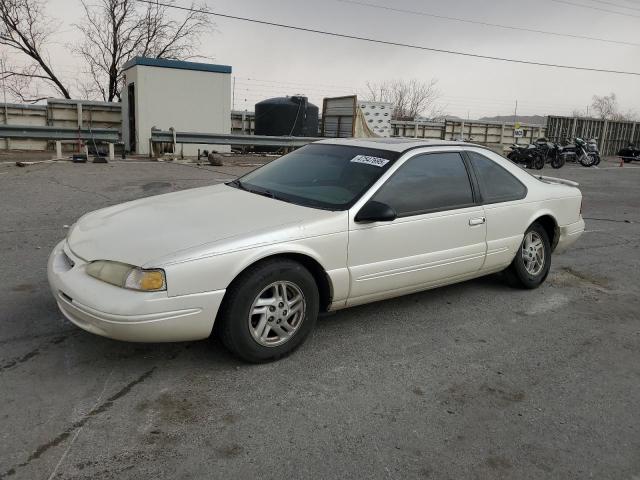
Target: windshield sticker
[375,161]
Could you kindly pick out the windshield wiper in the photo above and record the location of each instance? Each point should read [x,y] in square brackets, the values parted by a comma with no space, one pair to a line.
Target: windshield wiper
[268,193]
[236,183]
[264,193]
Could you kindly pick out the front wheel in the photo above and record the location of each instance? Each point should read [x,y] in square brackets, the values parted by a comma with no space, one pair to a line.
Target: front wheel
[538,162]
[532,262]
[587,160]
[557,161]
[268,311]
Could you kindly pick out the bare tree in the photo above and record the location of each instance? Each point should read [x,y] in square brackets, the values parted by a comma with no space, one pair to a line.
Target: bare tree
[114,31]
[26,29]
[410,98]
[606,107]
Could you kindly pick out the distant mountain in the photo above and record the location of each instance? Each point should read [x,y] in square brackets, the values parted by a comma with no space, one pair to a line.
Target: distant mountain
[439,119]
[530,119]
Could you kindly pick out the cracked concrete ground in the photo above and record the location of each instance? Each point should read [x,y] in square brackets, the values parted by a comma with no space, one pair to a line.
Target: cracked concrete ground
[475,380]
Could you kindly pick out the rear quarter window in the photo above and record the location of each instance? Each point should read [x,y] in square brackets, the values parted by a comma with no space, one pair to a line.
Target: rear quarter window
[496,183]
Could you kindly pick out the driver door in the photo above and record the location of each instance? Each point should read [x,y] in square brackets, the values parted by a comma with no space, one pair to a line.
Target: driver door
[439,234]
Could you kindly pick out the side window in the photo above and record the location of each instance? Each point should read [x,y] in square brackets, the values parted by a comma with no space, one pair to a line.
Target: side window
[427,183]
[496,184]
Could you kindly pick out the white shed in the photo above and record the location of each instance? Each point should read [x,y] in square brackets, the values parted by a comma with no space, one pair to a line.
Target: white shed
[188,96]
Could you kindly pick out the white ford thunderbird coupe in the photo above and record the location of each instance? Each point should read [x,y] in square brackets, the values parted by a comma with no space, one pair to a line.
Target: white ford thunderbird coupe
[334,224]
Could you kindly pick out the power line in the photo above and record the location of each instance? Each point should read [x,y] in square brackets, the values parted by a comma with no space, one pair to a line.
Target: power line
[276,86]
[615,5]
[566,2]
[292,86]
[253,79]
[394,44]
[487,24]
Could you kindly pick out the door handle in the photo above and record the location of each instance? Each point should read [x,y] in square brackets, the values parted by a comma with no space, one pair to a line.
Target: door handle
[477,221]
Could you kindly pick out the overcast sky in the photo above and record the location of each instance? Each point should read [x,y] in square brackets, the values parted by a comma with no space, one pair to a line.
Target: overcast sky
[269,61]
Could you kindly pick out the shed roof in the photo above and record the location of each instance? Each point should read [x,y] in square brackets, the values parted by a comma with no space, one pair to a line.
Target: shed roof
[177,64]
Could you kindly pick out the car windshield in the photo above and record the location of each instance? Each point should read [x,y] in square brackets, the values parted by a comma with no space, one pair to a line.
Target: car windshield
[330,177]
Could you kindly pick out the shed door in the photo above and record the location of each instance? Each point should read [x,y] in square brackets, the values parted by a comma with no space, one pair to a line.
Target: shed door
[131,96]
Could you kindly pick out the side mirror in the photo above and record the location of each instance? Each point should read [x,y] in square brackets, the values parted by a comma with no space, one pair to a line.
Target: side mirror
[373,211]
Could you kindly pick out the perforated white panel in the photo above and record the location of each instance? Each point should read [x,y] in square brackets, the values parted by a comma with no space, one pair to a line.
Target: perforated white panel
[378,116]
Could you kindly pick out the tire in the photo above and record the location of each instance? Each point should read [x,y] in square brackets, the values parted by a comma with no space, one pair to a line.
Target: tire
[265,283]
[531,163]
[587,160]
[519,274]
[538,162]
[512,156]
[558,161]
[597,160]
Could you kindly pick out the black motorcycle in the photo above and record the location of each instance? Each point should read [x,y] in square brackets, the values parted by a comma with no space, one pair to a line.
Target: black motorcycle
[593,151]
[629,153]
[527,155]
[549,151]
[580,150]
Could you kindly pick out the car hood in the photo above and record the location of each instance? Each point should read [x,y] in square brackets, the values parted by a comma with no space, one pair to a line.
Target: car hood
[184,225]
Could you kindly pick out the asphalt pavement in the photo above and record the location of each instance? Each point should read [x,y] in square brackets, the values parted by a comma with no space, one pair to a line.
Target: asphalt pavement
[476,380]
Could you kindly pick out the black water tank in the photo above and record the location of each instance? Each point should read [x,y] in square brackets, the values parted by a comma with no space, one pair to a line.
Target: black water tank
[286,116]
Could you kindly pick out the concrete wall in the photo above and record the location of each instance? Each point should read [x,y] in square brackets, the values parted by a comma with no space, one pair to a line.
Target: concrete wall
[243,122]
[18,114]
[187,100]
[58,113]
[611,135]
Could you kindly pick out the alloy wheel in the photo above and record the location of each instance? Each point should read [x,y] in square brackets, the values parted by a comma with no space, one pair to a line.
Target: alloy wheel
[277,313]
[533,253]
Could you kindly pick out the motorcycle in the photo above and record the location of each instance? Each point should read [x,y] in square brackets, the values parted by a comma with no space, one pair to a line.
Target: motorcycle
[526,154]
[550,153]
[581,151]
[592,150]
[629,153]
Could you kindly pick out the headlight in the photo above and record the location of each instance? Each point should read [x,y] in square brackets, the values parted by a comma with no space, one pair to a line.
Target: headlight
[128,276]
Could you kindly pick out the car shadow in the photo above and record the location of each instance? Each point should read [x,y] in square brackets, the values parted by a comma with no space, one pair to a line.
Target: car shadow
[495,283]
[83,349]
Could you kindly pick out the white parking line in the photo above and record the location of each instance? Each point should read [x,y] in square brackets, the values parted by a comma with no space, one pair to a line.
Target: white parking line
[604,168]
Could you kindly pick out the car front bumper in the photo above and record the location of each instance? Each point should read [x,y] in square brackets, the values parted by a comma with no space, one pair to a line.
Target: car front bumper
[569,234]
[128,315]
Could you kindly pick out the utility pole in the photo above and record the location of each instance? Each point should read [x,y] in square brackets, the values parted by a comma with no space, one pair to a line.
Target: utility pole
[4,94]
[515,120]
[233,95]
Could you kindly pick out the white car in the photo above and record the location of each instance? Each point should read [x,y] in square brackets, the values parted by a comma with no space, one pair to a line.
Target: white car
[334,224]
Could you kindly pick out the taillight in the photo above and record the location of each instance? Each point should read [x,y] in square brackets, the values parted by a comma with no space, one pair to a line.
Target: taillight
[581,200]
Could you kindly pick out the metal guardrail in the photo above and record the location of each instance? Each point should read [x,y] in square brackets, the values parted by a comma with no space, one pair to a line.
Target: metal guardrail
[160,136]
[108,135]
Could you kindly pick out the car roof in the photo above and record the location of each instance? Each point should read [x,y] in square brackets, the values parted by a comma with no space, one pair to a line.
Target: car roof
[395,144]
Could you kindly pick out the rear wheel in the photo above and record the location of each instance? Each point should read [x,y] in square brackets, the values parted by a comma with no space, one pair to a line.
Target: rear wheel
[269,311]
[532,262]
